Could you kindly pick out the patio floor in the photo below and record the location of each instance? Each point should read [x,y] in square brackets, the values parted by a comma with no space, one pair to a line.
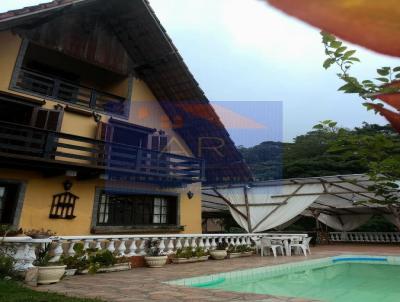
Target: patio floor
[145,284]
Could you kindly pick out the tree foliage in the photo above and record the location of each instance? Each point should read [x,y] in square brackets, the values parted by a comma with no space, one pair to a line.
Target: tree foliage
[308,155]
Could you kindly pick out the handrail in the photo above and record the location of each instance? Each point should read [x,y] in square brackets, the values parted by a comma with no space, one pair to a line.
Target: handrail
[58,146]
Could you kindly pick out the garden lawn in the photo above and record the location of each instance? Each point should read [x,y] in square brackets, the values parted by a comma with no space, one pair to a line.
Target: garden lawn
[11,291]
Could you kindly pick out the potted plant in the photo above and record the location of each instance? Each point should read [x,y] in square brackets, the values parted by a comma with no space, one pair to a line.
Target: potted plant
[201,254]
[76,262]
[220,252]
[39,234]
[71,263]
[233,251]
[183,255]
[155,257]
[48,272]
[246,250]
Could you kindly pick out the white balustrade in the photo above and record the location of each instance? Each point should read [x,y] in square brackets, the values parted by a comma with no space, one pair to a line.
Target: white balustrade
[22,249]
[132,245]
[365,237]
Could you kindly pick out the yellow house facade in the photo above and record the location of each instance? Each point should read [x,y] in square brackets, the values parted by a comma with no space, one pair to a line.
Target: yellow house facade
[95,132]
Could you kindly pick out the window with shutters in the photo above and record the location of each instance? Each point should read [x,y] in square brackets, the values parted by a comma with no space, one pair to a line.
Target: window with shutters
[136,210]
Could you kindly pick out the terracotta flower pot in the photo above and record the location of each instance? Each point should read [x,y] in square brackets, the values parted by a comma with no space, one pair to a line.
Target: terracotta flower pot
[218,254]
[156,261]
[50,274]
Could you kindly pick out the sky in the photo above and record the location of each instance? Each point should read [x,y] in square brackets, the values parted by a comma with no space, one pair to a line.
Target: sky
[256,61]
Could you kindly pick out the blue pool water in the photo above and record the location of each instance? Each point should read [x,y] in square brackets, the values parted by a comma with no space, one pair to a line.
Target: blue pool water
[340,279]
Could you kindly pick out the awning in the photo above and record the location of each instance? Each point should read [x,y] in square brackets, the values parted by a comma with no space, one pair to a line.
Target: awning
[341,202]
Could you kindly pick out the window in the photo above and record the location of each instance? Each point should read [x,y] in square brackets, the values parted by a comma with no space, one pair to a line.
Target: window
[136,210]
[8,202]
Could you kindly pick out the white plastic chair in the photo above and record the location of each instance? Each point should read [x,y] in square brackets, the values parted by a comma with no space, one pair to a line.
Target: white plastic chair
[257,242]
[267,243]
[302,243]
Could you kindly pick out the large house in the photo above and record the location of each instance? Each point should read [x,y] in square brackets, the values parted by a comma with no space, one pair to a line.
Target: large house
[103,128]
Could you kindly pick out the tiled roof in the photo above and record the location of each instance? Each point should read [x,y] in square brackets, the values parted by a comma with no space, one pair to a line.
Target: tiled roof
[35,8]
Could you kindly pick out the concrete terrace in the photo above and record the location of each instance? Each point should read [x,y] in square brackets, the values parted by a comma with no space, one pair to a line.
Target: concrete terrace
[145,284]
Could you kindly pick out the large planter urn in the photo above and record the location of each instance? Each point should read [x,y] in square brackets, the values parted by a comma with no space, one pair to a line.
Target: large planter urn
[218,254]
[50,274]
[156,261]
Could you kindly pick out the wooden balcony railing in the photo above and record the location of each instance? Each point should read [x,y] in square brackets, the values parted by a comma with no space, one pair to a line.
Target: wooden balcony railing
[55,147]
[69,92]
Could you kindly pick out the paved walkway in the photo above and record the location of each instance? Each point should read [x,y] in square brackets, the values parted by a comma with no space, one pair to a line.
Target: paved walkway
[145,284]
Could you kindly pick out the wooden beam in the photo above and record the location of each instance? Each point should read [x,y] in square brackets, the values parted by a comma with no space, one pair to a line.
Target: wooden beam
[246,201]
[229,204]
[274,210]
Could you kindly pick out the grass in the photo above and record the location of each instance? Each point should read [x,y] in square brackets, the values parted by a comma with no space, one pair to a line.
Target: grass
[11,291]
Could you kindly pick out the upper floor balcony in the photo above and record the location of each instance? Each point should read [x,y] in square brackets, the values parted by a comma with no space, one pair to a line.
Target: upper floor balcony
[46,73]
[54,151]
[68,92]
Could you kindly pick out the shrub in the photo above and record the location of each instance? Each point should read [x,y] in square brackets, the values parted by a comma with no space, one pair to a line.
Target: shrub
[184,253]
[6,266]
[222,245]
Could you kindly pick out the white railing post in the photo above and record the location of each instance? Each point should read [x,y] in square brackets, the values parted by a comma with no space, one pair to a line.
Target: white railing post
[122,248]
[132,248]
[111,246]
[58,251]
[71,251]
[170,246]
[178,244]
[213,243]
[161,245]
[142,246]
[207,244]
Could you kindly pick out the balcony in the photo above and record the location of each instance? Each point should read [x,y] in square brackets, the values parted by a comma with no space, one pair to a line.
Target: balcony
[68,92]
[55,151]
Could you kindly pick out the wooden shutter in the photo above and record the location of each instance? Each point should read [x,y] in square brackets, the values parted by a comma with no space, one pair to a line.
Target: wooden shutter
[46,119]
[105,132]
[159,142]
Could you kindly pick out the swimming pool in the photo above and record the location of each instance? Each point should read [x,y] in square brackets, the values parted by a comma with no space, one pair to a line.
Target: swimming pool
[350,278]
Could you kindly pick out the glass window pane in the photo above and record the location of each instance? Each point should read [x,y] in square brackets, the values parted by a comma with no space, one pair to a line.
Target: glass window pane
[156,219]
[163,219]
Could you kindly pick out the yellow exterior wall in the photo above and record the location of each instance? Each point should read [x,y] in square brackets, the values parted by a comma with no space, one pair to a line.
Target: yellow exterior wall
[144,110]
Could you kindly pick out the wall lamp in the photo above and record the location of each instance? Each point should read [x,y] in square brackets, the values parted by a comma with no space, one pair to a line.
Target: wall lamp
[190,194]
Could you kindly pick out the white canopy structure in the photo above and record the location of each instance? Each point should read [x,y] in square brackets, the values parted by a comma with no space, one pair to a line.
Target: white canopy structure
[341,202]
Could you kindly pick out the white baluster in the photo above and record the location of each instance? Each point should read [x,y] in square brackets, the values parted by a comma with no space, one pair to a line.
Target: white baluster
[248,241]
[142,247]
[201,243]
[111,246]
[207,244]
[98,245]
[24,256]
[213,243]
[132,248]
[170,246]
[178,244]
[161,245]
[122,248]
[58,251]
[71,251]
[193,245]
[186,242]
[86,244]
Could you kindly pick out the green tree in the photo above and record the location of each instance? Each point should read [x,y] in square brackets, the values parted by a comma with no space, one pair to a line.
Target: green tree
[379,151]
